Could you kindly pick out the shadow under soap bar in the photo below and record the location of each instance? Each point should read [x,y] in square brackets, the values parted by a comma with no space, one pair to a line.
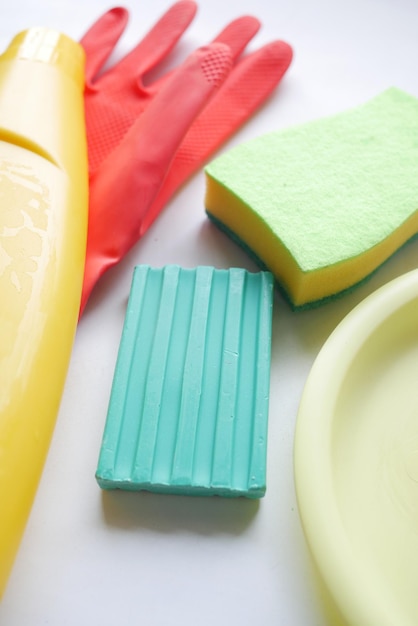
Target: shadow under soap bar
[189,404]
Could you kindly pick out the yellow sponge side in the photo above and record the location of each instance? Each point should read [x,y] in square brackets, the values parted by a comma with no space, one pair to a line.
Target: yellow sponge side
[302,287]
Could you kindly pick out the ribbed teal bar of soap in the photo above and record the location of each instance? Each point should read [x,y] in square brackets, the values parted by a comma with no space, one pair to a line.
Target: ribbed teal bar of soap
[189,403]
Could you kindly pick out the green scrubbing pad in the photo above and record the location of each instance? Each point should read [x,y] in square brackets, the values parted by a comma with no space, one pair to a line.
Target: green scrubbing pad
[323,204]
[189,403]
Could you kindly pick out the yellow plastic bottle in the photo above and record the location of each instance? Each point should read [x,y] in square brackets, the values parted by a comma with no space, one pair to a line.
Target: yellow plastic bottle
[43,226]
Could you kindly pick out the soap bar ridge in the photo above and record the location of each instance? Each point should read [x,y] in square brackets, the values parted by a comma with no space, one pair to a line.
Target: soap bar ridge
[189,404]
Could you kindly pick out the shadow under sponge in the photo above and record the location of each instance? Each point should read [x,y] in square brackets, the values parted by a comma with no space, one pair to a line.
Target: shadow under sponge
[188,409]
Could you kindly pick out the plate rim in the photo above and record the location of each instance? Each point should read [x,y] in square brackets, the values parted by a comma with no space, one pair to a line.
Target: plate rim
[323,530]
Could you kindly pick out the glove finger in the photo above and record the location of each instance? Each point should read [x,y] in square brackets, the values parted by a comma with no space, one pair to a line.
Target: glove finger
[99,41]
[250,83]
[246,88]
[158,42]
[122,191]
[238,33]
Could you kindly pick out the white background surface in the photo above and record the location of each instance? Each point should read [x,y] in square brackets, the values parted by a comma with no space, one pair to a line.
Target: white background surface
[117,558]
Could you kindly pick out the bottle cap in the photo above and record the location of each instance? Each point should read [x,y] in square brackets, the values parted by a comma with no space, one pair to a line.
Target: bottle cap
[47,45]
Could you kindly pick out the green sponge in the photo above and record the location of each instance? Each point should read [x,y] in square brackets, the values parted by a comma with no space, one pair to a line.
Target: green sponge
[323,204]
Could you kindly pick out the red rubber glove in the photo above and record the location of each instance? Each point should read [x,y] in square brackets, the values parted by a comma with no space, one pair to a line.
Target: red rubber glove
[145,141]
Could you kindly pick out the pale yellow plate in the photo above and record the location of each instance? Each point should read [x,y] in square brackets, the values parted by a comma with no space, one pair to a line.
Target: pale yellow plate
[356,459]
